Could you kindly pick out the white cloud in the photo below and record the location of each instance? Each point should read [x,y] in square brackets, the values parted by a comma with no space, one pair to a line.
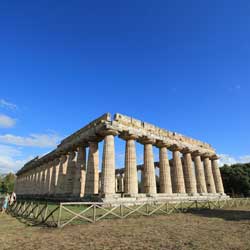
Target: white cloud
[10,159]
[7,105]
[6,121]
[229,159]
[33,140]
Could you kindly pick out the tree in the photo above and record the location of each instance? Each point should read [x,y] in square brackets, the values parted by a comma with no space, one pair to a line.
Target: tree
[7,183]
[236,179]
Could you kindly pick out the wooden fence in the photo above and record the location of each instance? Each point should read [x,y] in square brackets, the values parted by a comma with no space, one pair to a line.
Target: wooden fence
[64,213]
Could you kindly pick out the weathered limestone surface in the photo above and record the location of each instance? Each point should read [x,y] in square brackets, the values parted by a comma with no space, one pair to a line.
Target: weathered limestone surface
[70,173]
[149,170]
[79,188]
[190,182]
[178,173]
[92,169]
[108,165]
[209,175]
[217,176]
[131,182]
[54,178]
[200,176]
[165,176]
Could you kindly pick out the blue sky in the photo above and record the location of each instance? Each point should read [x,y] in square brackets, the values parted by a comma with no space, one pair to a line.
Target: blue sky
[182,65]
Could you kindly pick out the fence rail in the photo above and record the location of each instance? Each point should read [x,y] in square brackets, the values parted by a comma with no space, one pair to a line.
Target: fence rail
[64,213]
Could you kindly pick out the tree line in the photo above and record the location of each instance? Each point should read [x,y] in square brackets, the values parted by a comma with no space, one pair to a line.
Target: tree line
[236,179]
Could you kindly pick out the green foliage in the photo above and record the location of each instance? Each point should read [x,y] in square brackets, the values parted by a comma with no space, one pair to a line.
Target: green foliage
[7,183]
[236,179]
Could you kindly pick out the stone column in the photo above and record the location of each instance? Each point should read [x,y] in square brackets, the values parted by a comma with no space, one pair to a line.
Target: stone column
[199,173]
[61,174]
[122,182]
[149,168]
[44,175]
[216,174]
[117,189]
[70,172]
[40,180]
[55,172]
[92,176]
[177,171]
[37,181]
[208,174]
[189,177]
[108,163]
[49,176]
[142,180]
[165,175]
[130,176]
[80,176]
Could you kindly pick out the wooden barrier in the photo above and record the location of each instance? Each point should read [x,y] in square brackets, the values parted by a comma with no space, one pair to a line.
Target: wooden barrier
[65,213]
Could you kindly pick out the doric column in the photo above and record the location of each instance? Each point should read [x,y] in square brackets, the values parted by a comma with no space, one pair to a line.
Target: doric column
[216,174]
[149,168]
[92,169]
[55,173]
[61,175]
[165,175]
[49,176]
[199,173]
[36,190]
[177,171]
[189,176]
[40,180]
[208,174]
[130,176]
[70,172]
[108,163]
[44,175]
[117,183]
[80,174]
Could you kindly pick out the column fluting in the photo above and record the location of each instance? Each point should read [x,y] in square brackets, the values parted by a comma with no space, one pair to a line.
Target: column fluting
[208,174]
[189,175]
[217,175]
[92,176]
[199,173]
[108,163]
[165,175]
[178,171]
[149,168]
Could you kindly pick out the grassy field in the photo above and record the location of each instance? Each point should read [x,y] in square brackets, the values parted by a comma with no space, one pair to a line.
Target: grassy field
[207,229]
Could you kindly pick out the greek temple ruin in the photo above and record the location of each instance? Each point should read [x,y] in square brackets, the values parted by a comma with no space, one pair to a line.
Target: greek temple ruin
[65,174]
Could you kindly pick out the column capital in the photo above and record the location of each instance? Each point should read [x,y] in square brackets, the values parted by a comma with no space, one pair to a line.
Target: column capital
[146,140]
[175,147]
[206,155]
[128,136]
[186,150]
[162,144]
[196,153]
[108,131]
[215,157]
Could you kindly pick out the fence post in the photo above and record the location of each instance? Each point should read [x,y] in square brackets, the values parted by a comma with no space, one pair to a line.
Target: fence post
[121,210]
[59,215]
[94,213]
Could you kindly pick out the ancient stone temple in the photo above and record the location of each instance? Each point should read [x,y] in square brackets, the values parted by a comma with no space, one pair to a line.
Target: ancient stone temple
[65,173]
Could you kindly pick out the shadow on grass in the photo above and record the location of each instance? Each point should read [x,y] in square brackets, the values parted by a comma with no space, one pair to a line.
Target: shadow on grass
[230,215]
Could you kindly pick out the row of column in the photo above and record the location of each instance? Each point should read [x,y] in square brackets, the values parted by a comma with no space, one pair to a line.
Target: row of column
[67,176]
